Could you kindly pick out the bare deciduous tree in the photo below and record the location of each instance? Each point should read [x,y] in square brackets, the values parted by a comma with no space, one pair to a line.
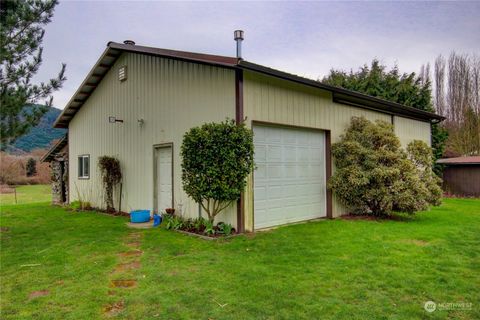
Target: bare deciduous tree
[457,97]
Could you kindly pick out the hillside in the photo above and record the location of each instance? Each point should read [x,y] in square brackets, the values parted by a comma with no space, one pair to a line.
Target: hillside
[40,136]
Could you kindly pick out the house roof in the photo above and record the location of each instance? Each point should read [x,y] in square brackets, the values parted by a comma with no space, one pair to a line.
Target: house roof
[50,155]
[460,160]
[340,95]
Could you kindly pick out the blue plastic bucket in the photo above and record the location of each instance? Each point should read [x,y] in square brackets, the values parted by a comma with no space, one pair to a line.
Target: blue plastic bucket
[157,219]
[139,216]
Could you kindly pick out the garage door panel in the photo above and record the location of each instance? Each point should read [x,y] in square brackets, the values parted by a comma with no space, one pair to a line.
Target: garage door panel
[315,171]
[275,192]
[260,171]
[290,171]
[261,193]
[259,135]
[273,136]
[274,172]
[289,153]
[274,153]
[261,153]
[289,181]
[316,154]
[302,154]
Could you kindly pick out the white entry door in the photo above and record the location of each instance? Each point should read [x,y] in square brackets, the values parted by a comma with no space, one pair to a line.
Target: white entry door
[290,175]
[163,178]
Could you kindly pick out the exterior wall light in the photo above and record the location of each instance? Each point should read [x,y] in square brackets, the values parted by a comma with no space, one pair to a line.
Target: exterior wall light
[114,119]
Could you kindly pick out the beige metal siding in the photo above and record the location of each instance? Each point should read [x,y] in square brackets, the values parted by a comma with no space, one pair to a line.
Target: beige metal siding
[171,96]
[408,130]
[284,102]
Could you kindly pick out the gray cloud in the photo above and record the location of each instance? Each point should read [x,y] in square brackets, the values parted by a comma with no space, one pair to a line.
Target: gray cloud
[305,38]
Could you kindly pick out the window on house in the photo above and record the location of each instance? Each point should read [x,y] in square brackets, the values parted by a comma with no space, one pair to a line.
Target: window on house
[84,167]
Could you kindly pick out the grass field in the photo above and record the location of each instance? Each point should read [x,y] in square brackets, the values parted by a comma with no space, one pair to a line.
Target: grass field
[57,264]
[28,194]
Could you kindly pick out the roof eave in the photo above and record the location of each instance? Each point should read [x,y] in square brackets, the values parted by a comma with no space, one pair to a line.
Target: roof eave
[91,81]
[47,157]
[109,57]
[340,95]
[345,96]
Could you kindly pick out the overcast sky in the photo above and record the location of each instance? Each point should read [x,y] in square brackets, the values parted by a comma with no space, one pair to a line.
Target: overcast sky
[305,38]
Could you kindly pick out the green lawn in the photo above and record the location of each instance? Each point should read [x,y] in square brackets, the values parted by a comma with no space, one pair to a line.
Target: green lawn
[28,194]
[331,269]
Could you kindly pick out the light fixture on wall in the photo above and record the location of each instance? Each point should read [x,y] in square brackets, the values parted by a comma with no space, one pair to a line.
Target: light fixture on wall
[112,119]
[141,122]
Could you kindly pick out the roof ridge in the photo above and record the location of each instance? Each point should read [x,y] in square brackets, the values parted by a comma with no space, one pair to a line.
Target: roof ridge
[206,57]
[339,95]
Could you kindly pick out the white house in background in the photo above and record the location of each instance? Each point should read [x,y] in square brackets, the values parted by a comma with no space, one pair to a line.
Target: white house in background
[137,102]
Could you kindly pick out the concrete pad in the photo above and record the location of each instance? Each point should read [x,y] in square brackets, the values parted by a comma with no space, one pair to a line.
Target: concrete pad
[142,225]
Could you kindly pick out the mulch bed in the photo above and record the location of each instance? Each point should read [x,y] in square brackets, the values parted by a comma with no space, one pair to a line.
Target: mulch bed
[209,237]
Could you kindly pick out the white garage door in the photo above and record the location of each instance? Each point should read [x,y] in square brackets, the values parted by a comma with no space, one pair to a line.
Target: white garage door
[289,179]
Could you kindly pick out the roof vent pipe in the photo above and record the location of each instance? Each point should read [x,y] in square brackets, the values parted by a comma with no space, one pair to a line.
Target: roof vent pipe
[238,36]
[131,42]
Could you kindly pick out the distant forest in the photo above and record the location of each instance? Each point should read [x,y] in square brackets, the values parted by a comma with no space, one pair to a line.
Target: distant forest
[41,136]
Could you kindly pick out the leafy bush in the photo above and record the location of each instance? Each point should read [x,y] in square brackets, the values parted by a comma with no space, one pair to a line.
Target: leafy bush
[375,176]
[199,225]
[173,222]
[216,159]
[422,156]
[111,176]
[224,228]
[209,228]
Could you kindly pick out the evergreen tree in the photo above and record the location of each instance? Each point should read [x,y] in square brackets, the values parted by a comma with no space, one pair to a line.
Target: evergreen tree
[21,36]
[31,167]
[407,89]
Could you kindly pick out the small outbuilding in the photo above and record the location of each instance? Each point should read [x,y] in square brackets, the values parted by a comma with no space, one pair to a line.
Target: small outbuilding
[58,158]
[461,176]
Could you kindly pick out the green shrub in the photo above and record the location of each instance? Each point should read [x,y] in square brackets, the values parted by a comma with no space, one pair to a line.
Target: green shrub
[209,228]
[173,222]
[224,228]
[375,176]
[422,156]
[216,159]
[166,221]
[199,224]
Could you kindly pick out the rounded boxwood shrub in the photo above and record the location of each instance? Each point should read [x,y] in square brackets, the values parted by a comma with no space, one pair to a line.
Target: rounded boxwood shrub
[216,159]
[375,176]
